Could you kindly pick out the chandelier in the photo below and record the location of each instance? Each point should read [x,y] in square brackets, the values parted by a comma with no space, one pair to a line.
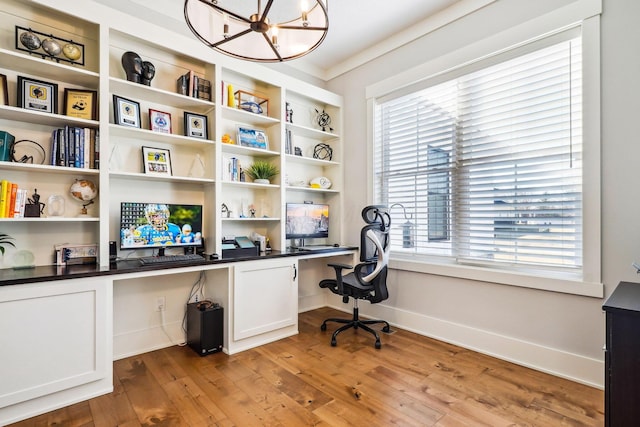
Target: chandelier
[279,31]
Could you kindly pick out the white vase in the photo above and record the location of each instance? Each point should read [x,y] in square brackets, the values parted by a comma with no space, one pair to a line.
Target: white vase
[261,181]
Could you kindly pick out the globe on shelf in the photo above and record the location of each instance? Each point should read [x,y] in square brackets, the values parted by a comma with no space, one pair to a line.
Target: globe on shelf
[83,191]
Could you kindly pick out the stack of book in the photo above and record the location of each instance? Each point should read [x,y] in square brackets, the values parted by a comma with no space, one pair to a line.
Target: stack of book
[190,84]
[232,170]
[12,200]
[288,142]
[75,147]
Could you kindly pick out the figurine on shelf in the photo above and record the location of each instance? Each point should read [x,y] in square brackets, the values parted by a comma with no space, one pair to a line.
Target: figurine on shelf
[289,113]
[148,72]
[225,209]
[252,211]
[132,64]
[34,207]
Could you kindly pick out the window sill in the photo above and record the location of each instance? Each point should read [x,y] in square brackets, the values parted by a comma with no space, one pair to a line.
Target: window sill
[562,283]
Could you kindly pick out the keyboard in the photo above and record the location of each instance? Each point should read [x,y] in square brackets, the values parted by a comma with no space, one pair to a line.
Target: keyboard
[171,259]
[316,247]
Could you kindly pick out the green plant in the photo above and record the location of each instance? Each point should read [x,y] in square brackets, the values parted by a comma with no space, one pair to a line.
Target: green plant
[5,239]
[261,169]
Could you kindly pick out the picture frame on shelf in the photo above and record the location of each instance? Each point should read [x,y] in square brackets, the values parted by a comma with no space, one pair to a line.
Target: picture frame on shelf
[253,138]
[159,121]
[37,95]
[196,125]
[81,103]
[156,161]
[126,112]
[4,92]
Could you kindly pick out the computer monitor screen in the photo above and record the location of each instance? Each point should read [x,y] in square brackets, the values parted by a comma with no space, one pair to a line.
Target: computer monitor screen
[159,225]
[307,220]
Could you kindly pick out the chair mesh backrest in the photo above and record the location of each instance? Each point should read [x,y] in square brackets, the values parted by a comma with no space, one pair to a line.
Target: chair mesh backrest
[378,222]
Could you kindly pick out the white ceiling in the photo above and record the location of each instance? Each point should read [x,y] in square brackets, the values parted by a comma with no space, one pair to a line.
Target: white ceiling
[359,30]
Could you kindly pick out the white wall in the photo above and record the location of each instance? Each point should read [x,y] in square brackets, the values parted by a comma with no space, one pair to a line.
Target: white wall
[554,332]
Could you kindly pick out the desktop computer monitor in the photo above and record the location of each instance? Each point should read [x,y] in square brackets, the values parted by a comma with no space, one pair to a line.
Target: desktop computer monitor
[306,220]
[159,225]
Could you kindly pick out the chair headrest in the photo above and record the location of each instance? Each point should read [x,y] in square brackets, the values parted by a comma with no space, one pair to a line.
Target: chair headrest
[377,214]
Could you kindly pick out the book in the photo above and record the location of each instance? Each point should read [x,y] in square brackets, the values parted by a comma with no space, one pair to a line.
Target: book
[12,200]
[96,164]
[4,185]
[195,85]
[182,84]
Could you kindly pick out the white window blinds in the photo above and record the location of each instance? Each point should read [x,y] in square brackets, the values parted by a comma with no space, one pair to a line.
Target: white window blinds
[486,167]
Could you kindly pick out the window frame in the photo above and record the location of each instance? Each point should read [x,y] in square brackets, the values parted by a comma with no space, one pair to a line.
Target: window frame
[586,282]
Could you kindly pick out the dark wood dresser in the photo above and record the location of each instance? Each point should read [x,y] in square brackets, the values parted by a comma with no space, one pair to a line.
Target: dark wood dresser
[622,356]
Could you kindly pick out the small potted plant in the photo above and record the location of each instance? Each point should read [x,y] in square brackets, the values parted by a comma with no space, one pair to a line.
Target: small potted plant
[5,239]
[261,172]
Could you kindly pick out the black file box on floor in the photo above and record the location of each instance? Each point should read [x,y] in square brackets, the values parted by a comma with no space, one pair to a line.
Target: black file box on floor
[204,327]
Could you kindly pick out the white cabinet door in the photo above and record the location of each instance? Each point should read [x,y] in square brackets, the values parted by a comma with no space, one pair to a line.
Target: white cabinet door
[265,297]
[54,336]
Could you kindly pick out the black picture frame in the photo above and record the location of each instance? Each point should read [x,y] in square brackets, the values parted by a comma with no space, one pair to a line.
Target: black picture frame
[4,92]
[126,112]
[156,161]
[196,125]
[37,95]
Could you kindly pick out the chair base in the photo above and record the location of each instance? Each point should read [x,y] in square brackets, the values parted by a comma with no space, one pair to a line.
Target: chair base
[355,323]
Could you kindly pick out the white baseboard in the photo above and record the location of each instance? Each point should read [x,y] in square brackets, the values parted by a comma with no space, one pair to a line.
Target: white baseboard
[556,362]
[132,343]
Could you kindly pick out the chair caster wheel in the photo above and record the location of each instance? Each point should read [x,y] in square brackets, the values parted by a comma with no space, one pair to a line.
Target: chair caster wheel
[323,327]
[386,329]
[378,345]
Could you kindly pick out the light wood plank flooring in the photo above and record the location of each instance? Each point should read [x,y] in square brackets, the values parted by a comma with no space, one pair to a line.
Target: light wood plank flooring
[302,380]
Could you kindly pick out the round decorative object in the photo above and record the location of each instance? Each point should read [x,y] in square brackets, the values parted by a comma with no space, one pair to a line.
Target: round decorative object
[83,191]
[23,259]
[30,40]
[55,205]
[320,182]
[71,51]
[322,151]
[52,47]
[324,120]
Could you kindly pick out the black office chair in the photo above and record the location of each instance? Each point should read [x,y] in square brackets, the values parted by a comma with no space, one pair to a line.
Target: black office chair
[368,280]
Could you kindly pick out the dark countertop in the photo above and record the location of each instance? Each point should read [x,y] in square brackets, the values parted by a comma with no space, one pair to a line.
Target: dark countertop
[626,296]
[46,273]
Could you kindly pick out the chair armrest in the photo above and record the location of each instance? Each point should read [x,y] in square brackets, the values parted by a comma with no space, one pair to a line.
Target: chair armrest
[340,267]
[358,270]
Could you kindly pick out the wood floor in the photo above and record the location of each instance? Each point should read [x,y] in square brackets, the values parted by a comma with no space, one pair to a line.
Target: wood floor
[302,380]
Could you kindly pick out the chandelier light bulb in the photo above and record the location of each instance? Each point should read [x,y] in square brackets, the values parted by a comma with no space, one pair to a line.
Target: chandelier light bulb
[225,20]
[274,36]
[304,6]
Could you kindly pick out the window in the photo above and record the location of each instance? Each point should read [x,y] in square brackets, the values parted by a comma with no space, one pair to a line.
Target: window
[485,167]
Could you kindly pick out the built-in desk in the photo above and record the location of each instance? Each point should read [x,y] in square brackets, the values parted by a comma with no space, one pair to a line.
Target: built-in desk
[62,327]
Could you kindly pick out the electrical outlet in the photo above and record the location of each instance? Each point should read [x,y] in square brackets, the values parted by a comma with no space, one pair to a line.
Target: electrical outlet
[161,304]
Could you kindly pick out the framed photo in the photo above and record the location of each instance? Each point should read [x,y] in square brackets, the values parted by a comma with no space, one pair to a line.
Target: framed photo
[159,121]
[4,93]
[37,95]
[196,125]
[156,161]
[126,112]
[254,138]
[81,103]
